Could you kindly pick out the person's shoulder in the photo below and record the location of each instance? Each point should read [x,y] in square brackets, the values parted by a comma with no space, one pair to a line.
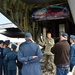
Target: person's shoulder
[1,48]
[10,53]
[35,44]
[58,43]
[73,45]
[22,44]
[52,38]
[7,49]
[14,53]
[63,43]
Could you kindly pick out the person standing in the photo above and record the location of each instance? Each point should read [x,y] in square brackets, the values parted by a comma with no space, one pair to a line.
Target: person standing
[30,54]
[6,50]
[72,52]
[1,56]
[19,65]
[49,66]
[61,55]
[10,59]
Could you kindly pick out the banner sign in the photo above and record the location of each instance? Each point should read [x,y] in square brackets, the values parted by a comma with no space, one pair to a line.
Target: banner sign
[50,13]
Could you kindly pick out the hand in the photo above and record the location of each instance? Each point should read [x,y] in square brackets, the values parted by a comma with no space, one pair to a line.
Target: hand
[25,62]
[35,57]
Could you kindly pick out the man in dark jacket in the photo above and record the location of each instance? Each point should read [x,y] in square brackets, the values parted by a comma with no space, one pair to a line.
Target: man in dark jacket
[61,52]
[1,56]
[6,50]
[10,59]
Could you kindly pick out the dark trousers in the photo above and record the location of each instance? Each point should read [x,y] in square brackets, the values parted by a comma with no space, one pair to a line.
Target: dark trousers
[0,69]
[61,71]
[71,66]
[5,69]
[19,72]
[0,66]
[11,72]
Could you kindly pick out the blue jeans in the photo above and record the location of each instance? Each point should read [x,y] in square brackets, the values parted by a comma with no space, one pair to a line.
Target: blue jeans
[61,71]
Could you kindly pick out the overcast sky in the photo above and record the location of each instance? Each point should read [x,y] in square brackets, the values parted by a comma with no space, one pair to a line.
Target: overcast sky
[3,19]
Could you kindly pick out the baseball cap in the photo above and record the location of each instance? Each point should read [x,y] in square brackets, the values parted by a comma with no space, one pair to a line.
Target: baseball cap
[72,36]
[1,41]
[65,35]
[13,46]
[7,42]
[27,35]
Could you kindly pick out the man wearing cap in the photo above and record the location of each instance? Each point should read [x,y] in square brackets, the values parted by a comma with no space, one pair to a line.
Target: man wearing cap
[72,52]
[6,50]
[61,52]
[30,54]
[1,56]
[10,59]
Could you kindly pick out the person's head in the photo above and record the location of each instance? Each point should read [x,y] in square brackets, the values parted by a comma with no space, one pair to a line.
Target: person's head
[4,45]
[7,42]
[28,36]
[63,36]
[48,35]
[72,38]
[1,43]
[13,47]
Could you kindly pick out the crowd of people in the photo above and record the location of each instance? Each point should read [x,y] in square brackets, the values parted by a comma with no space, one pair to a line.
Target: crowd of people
[26,59]
[7,58]
[62,54]
[58,57]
